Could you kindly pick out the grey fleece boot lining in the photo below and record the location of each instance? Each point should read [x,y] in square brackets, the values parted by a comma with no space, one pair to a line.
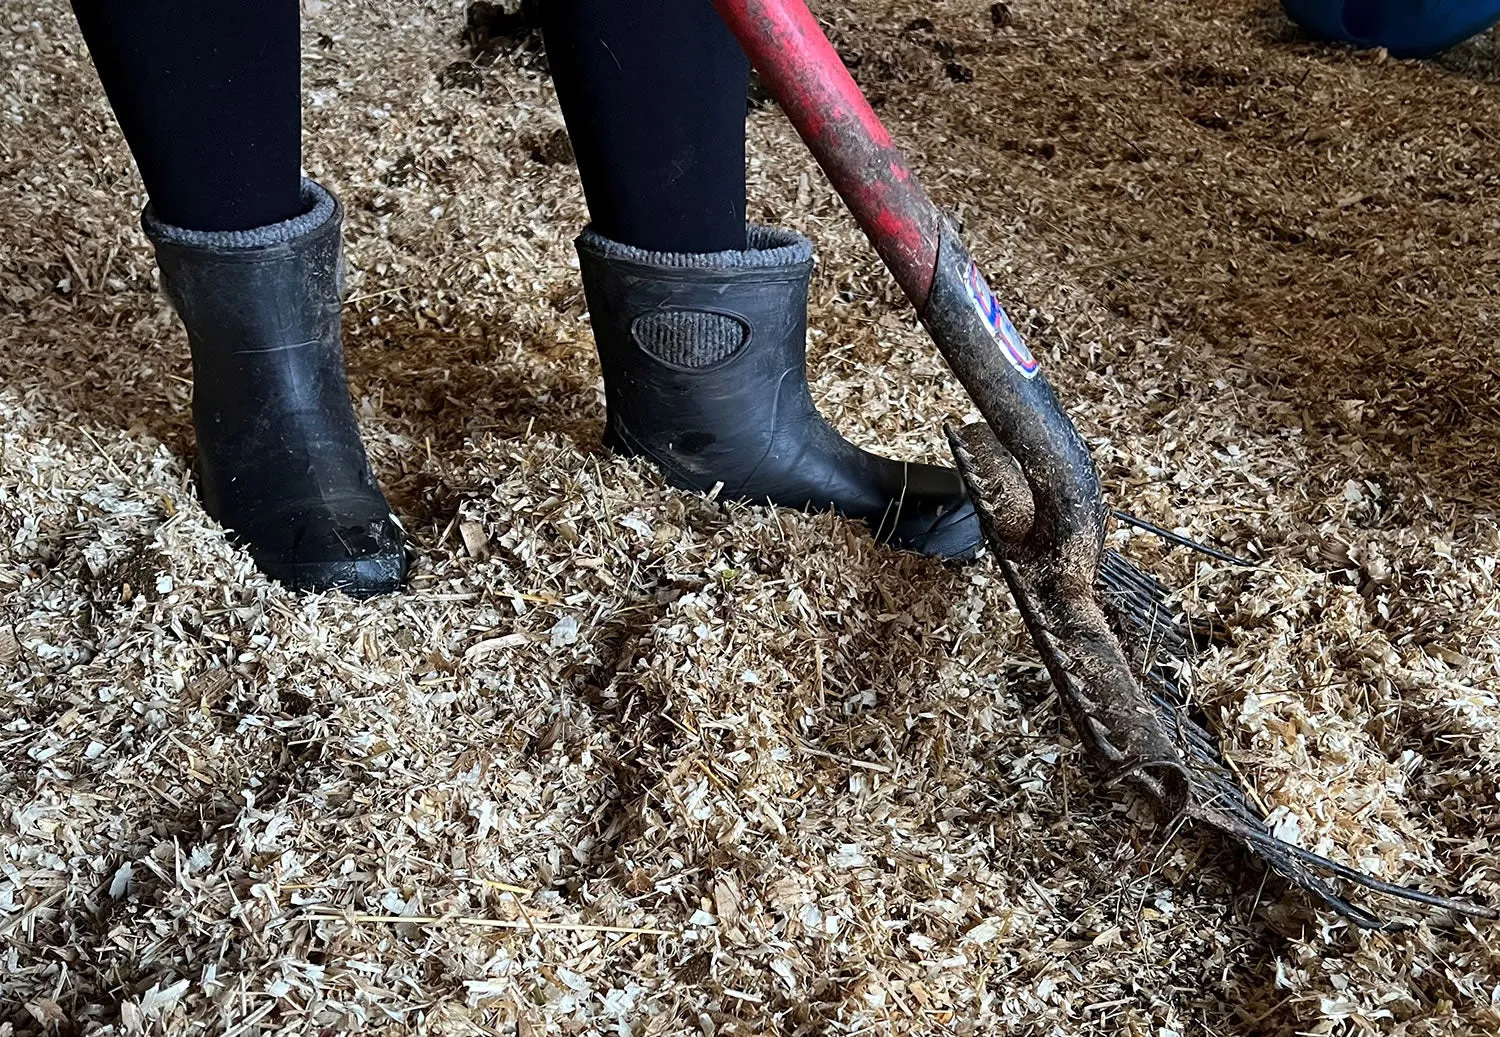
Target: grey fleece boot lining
[318,202]
[769,247]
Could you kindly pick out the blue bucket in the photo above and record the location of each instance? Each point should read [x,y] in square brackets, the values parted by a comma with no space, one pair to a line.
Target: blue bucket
[1406,28]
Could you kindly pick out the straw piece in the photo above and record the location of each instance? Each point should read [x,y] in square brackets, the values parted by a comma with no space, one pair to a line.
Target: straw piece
[484,923]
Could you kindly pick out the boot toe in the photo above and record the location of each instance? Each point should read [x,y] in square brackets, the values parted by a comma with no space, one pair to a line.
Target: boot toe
[950,533]
[361,555]
[934,516]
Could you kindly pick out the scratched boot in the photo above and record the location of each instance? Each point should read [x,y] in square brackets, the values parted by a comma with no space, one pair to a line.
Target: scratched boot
[281,464]
[704,358]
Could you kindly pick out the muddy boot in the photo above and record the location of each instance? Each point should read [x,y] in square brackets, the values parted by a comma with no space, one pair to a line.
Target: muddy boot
[280,461]
[704,374]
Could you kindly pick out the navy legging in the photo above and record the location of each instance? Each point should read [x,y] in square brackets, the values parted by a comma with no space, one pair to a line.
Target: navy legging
[207,93]
[653,93]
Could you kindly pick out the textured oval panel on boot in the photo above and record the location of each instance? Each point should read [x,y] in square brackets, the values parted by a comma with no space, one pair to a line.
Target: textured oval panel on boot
[690,338]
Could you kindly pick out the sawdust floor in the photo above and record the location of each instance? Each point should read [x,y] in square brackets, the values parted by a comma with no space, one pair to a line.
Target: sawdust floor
[817,785]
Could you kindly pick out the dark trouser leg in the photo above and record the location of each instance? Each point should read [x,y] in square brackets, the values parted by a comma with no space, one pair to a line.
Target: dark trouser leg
[654,97]
[207,93]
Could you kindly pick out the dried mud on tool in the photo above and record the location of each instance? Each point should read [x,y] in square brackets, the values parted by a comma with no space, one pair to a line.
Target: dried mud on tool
[1117,652]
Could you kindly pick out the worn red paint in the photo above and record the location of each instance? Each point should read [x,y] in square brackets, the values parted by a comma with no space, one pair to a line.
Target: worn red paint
[800,68]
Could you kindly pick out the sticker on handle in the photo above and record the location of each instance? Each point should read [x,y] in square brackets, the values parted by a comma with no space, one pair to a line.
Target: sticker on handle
[993,315]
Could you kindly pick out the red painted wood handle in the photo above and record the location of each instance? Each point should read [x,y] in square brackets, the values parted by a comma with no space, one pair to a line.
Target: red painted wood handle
[803,72]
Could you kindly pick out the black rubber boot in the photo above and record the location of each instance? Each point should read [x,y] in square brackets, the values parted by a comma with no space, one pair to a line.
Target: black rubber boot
[280,460]
[704,359]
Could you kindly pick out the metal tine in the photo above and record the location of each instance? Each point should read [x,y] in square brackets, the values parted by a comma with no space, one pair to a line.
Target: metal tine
[1149,607]
[1224,798]
[1179,712]
[1330,897]
[1241,809]
[1171,649]
[1155,627]
[1230,800]
[1178,685]
[1124,581]
[1117,567]
[1145,602]
[1121,568]
[1284,858]
[1343,871]
[1205,750]
[1182,541]
[1149,613]
[1117,581]
[1168,678]
[1172,700]
[1292,862]
[1180,698]
[1155,634]
[1205,747]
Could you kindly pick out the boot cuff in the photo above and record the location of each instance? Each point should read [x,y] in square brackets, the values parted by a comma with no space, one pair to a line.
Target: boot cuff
[318,203]
[769,247]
